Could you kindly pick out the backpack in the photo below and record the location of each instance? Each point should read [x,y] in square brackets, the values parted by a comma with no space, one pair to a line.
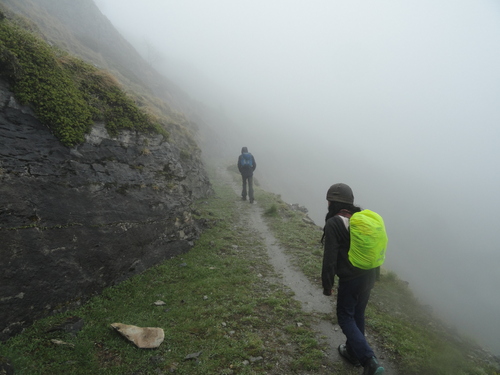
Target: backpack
[246,160]
[368,240]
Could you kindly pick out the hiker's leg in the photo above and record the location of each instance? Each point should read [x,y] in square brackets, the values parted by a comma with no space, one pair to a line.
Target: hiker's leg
[250,188]
[363,297]
[244,191]
[347,301]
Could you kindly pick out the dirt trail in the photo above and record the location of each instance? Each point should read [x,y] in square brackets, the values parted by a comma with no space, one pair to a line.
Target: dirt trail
[309,295]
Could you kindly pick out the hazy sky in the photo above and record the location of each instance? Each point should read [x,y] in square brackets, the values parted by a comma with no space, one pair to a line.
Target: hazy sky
[387,70]
[399,99]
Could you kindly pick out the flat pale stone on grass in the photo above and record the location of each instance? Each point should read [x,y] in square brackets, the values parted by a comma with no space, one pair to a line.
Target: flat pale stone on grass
[142,337]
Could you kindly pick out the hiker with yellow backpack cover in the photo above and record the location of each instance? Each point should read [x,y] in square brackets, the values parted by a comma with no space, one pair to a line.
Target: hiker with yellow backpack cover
[355,243]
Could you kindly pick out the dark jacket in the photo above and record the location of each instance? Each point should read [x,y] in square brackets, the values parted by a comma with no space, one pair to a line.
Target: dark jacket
[246,171]
[335,255]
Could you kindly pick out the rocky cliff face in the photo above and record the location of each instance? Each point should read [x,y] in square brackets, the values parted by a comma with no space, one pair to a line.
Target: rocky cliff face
[73,221]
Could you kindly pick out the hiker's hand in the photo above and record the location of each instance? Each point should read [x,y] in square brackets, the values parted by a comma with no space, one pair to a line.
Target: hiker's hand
[327,292]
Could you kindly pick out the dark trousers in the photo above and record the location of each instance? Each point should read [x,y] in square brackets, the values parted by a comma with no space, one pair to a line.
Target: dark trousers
[248,179]
[352,299]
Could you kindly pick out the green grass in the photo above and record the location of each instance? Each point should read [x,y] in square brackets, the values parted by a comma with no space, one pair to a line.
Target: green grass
[271,211]
[417,341]
[218,302]
[302,241]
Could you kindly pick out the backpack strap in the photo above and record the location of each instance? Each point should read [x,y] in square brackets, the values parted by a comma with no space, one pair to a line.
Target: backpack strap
[345,213]
[345,216]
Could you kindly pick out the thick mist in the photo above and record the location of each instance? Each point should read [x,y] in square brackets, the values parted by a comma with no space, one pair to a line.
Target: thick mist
[400,100]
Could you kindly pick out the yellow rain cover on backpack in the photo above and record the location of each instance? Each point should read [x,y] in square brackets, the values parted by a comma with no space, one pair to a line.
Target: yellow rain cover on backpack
[368,240]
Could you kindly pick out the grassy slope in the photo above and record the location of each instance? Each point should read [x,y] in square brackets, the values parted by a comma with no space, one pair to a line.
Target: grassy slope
[217,301]
[220,301]
[418,342]
[68,94]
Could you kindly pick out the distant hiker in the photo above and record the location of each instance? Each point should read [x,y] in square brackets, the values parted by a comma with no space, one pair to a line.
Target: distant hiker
[246,166]
[355,283]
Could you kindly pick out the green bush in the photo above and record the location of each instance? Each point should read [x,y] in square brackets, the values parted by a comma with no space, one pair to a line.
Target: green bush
[272,211]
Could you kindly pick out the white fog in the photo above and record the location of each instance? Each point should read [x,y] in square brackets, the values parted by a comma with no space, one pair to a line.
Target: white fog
[400,100]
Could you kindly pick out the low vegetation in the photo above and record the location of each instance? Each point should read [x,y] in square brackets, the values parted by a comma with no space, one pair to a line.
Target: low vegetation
[219,301]
[222,305]
[419,343]
[67,94]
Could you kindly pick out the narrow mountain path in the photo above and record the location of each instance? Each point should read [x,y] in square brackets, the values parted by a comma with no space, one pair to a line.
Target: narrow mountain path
[310,296]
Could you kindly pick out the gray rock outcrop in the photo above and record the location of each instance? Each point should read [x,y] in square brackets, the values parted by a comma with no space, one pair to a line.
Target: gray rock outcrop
[73,221]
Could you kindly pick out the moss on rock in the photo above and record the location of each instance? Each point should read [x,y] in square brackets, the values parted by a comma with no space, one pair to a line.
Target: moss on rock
[66,93]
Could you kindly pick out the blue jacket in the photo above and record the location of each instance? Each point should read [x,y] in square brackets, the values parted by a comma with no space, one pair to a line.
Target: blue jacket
[246,170]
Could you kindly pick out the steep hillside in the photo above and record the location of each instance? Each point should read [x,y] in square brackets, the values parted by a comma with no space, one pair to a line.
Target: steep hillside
[97,180]
[80,28]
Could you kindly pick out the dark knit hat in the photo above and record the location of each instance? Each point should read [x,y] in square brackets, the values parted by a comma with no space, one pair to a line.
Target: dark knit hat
[244,149]
[340,193]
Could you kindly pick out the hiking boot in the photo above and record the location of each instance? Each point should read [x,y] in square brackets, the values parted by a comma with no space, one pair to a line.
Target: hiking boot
[243,198]
[372,367]
[345,353]
[251,200]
